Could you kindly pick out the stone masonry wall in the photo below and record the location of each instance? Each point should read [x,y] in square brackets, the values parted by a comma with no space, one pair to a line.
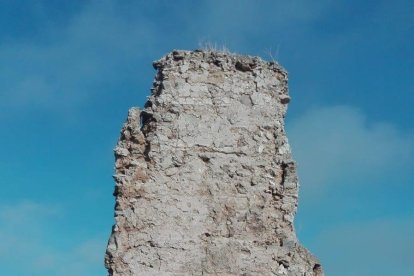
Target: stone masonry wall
[205,181]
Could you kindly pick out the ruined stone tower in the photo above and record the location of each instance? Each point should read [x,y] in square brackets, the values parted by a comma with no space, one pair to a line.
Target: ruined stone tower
[205,181]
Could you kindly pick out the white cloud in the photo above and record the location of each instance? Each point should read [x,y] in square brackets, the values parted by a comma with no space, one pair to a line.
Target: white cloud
[28,243]
[76,61]
[236,23]
[381,247]
[353,206]
[338,146]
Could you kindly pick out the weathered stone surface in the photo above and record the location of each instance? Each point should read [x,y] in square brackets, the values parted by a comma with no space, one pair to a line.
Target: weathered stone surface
[205,182]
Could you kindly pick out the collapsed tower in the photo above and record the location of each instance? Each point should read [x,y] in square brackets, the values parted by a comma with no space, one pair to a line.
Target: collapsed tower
[205,181]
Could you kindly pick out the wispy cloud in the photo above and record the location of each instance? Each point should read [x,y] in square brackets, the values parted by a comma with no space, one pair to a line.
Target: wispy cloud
[75,62]
[28,240]
[339,146]
[244,25]
[354,175]
[381,247]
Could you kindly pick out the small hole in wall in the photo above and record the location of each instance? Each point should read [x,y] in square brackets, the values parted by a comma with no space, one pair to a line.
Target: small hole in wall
[141,122]
[204,158]
[317,270]
[145,118]
[148,104]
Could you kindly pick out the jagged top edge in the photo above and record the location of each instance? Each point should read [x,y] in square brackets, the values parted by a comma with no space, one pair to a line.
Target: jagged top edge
[242,62]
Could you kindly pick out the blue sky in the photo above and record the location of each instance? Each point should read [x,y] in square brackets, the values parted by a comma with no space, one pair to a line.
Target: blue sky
[71,69]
